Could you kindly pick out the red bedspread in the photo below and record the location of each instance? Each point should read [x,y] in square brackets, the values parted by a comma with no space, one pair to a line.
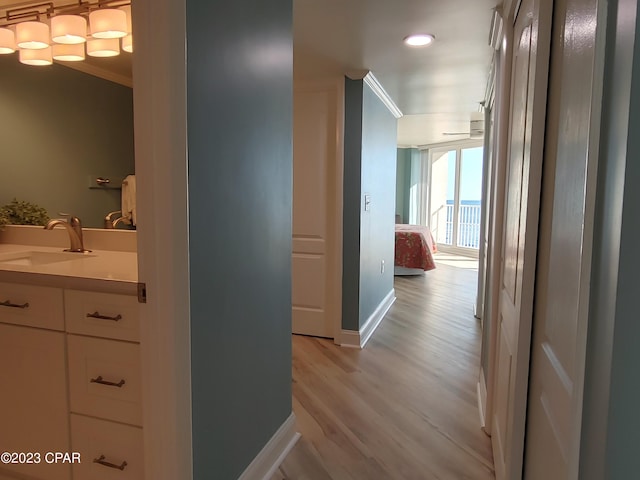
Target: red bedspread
[414,247]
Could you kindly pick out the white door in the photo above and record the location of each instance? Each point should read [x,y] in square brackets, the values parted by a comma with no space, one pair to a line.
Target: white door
[526,137]
[560,322]
[317,196]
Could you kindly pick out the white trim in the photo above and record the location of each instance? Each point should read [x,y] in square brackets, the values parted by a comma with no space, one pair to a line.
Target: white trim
[496,31]
[382,94]
[99,72]
[160,125]
[376,317]
[336,249]
[350,338]
[585,311]
[358,339]
[274,452]
[482,399]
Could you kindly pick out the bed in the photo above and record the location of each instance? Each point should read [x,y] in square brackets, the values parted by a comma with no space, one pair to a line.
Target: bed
[414,250]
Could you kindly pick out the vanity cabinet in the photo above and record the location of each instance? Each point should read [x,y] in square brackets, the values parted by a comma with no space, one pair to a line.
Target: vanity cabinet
[34,416]
[71,382]
[105,394]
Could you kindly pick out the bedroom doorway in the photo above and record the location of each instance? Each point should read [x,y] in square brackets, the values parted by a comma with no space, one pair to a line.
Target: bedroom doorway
[454,197]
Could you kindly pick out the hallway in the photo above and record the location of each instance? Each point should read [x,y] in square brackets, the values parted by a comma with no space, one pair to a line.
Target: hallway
[405,407]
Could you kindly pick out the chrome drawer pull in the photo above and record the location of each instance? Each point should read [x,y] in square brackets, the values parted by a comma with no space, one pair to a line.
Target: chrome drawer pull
[101,381]
[103,317]
[7,303]
[101,460]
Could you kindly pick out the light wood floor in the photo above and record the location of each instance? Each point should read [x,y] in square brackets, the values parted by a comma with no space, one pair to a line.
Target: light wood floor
[405,407]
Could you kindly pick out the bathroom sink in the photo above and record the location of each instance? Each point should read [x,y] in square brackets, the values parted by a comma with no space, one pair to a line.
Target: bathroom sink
[35,258]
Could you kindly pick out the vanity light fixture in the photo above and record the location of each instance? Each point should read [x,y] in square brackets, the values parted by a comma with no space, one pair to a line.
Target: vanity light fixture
[127,43]
[419,40]
[61,30]
[32,35]
[68,52]
[108,23]
[69,29]
[7,41]
[103,47]
[37,57]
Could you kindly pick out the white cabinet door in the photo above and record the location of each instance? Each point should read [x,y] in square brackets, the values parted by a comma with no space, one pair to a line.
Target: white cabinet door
[34,416]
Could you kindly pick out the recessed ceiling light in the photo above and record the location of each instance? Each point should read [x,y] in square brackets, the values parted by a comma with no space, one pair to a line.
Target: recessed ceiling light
[419,40]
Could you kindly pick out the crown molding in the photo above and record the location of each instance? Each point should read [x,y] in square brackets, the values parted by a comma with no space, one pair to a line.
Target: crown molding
[99,72]
[382,94]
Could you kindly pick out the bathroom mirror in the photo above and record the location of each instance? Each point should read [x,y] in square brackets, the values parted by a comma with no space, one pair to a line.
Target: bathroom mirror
[60,130]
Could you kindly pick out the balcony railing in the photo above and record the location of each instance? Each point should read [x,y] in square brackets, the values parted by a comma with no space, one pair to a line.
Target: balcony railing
[468,226]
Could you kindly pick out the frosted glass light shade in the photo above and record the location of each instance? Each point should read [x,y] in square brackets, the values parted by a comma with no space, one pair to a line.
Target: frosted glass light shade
[127,11]
[39,57]
[108,23]
[103,47]
[68,52]
[127,43]
[7,41]
[69,29]
[32,35]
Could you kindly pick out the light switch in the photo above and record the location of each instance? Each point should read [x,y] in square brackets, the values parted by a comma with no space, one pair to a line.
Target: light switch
[367,202]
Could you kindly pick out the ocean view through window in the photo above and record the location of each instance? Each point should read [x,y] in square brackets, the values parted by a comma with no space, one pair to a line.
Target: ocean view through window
[456,197]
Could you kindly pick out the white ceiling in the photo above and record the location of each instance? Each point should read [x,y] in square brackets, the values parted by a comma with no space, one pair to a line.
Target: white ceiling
[436,87]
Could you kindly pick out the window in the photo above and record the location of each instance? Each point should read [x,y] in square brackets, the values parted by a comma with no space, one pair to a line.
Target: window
[455,196]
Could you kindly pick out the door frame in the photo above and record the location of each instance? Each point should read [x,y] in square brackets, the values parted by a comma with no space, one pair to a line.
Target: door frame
[160,131]
[425,196]
[496,214]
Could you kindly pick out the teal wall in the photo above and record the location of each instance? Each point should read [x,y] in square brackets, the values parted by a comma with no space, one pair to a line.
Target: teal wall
[370,169]
[352,201]
[58,127]
[239,134]
[406,158]
[611,423]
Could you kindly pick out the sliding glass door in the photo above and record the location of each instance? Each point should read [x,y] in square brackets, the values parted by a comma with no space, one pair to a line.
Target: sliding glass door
[455,197]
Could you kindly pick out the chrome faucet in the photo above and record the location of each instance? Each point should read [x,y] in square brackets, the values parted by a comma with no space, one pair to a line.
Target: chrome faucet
[74,229]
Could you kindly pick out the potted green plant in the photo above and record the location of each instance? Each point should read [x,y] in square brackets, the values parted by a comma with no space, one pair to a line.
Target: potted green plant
[22,213]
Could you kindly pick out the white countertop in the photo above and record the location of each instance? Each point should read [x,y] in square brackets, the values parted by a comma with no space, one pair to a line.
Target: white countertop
[100,270]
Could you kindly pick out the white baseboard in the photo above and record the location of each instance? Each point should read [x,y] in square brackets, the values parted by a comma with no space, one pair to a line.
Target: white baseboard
[376,317]
[358,339]
[274,452]
[350,338]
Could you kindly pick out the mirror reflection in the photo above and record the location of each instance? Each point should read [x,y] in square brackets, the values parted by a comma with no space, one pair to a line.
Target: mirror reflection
[67,141]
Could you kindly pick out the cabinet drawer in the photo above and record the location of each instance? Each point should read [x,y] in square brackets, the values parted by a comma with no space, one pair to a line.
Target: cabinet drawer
[104,379]
[108,450]
[102,315]
[31,306]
